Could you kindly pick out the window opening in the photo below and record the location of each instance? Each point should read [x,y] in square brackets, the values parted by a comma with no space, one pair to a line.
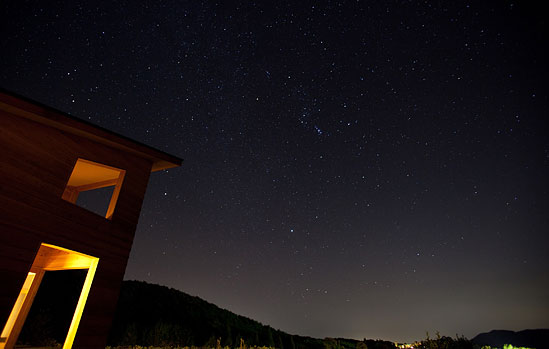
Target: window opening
[95,200]
[94,186]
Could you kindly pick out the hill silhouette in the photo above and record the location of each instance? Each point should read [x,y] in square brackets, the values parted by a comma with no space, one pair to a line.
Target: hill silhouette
[154,315]
[149,314]
[526,338]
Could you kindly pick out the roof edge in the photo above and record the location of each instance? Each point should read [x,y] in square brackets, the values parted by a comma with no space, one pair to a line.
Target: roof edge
[41,113]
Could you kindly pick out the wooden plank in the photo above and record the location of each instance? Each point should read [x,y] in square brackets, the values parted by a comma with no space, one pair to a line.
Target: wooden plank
[21,315]
[93,186]
[115,195]
[37,159]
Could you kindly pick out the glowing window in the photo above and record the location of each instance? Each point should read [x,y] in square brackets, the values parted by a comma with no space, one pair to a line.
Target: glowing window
[49,258]
[99,185]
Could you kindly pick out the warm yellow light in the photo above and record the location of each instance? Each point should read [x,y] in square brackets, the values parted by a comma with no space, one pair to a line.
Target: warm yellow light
[16,308]
[49,257]
[81,303]
[89,175]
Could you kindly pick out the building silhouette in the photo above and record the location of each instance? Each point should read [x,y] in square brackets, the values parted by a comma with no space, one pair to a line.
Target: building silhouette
[49,162]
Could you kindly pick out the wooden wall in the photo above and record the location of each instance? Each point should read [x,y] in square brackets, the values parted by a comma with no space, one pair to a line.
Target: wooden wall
[35,164]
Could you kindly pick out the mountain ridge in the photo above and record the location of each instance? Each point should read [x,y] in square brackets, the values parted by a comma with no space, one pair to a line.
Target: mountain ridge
[150,314]
[154,315]
[530,338]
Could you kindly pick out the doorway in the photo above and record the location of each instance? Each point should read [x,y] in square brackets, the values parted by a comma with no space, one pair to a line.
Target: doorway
[49,258]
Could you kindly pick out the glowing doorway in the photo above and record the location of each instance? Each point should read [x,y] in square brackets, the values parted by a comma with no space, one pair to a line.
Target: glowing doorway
[48,258]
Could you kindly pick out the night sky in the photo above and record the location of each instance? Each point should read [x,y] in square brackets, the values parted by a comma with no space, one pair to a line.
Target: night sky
[356,169]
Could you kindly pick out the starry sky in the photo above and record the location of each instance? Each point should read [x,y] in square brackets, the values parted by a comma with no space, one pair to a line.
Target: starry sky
[351,168]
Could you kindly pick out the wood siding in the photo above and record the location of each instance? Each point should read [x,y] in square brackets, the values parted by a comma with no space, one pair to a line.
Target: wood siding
[36,162]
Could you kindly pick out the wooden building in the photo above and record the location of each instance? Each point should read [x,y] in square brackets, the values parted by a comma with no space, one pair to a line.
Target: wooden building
[47,158]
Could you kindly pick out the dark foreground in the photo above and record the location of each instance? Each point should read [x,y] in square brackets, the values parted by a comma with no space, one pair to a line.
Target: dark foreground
[153,316]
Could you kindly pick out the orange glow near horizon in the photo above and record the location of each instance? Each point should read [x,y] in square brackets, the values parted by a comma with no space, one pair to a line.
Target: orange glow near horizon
[49,258]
